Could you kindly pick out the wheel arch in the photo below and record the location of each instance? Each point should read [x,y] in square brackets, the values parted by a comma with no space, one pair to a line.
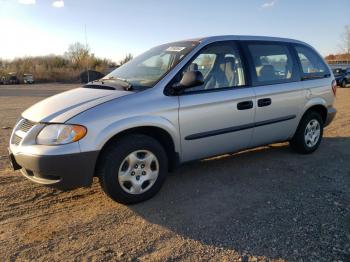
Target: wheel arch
[318,106]
[161,133]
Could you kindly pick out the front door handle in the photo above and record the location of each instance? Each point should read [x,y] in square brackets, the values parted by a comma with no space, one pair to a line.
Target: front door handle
[264,102]
[245,105]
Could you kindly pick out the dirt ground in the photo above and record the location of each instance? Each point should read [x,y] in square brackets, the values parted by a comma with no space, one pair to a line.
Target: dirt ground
[263,204]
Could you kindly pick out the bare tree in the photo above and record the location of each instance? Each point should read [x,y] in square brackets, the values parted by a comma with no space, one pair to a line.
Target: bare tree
[126,59]
[78,54]
[345,40]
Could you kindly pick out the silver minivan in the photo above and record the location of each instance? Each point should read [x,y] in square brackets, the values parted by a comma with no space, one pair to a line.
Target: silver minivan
[176,103]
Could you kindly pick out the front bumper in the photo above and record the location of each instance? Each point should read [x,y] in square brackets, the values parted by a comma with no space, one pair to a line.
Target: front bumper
[67,171]
[331,112]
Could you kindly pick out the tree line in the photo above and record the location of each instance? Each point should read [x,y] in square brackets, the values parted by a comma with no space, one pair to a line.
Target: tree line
[344,47]
[60,68]
[78,58]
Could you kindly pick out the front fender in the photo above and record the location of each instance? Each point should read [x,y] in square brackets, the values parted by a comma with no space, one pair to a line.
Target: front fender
[119,126]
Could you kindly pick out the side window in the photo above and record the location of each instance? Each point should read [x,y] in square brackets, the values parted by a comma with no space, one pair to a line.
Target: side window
[273,63]
[311,63]
[220,65]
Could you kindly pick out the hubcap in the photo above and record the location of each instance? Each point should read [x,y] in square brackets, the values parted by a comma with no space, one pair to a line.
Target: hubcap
[312,133]
[138,172]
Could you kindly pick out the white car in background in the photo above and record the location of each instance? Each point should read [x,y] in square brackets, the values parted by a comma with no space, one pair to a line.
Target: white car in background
[28,79]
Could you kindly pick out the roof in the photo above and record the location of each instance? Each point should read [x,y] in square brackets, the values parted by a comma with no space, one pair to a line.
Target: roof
[244,37]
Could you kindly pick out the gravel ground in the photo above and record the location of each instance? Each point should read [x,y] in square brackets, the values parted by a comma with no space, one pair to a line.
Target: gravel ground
[263,204]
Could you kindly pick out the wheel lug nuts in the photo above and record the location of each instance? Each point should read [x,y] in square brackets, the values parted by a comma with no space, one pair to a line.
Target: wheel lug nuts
[143,173]
[142,166]
[136,166]
[132,173]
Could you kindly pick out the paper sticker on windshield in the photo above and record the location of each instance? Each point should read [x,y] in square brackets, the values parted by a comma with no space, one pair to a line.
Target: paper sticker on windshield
[175,48]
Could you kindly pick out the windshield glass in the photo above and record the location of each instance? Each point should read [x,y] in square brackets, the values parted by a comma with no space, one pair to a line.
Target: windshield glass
[148,68]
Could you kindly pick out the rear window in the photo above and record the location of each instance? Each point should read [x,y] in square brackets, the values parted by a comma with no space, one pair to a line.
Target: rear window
[273,63]
[311,63]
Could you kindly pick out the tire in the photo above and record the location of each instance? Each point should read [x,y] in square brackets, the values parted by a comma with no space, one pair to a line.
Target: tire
[118,162]
[343,83]
[302,143]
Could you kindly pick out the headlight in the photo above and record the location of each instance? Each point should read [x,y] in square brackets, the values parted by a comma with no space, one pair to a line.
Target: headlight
[59,134]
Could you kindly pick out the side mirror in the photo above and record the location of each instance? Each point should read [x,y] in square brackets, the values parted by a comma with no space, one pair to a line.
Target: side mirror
[190,79]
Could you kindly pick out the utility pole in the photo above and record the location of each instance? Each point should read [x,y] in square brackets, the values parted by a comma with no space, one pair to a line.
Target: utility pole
[87,62]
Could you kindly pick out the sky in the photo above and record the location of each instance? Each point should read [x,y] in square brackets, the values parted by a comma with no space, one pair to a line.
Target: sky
[117,27]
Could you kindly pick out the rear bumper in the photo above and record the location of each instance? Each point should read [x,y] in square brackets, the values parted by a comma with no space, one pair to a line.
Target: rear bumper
[64,172]
[331,112]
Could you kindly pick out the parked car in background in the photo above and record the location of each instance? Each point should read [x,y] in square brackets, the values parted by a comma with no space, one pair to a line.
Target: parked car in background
[176,103]
[28,79]
[2,80]
[342,76]
[5,80]
[90,75]
[13,80]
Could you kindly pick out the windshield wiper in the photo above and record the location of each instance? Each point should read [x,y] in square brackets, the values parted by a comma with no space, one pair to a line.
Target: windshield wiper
[128,85]
[99,87]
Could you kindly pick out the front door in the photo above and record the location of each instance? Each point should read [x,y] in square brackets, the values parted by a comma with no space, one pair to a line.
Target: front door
[216,117]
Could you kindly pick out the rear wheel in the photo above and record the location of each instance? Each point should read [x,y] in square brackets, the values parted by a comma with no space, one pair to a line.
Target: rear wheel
[133,169]
[309,134]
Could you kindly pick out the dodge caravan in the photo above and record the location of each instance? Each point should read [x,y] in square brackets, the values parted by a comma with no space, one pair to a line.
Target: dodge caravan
[176,103]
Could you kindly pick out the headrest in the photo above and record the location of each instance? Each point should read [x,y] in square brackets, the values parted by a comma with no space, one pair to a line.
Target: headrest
[228,64]
[229,60]
[193,67]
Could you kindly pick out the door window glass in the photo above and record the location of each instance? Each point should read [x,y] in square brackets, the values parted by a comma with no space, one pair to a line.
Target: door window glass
[220,65]
[272,62]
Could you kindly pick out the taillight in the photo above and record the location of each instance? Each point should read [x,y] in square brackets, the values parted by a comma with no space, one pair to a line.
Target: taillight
[334,87]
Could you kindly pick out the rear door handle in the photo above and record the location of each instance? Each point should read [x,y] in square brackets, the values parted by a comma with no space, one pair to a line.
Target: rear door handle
[245,105]
[264,102]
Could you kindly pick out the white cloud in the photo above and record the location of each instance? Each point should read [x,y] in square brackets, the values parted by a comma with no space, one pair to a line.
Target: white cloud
[269,4]
[27,2]
[58,4]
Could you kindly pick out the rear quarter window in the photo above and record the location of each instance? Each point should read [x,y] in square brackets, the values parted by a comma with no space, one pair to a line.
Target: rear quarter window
[311,63]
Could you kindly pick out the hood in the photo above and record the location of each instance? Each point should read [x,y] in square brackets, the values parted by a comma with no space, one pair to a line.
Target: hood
[59,108]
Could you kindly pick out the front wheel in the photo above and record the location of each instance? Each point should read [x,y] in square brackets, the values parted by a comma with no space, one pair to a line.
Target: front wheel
[133,169]
[309,134]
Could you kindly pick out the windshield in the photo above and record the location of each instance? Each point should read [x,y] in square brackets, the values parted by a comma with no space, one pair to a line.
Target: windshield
[148,68]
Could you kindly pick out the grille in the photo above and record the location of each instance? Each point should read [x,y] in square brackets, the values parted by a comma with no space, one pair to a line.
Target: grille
[16,140]
[26,125]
